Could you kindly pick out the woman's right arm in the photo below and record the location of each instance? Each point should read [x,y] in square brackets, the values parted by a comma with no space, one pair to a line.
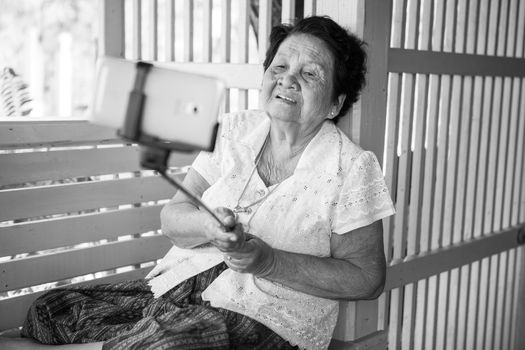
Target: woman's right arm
[187,226]
[181,220]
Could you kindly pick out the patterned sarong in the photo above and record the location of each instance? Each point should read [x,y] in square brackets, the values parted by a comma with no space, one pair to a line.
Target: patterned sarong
[126,316]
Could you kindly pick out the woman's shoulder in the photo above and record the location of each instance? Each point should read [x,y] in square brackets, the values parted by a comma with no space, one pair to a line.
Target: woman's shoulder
[351,152]
[240,123]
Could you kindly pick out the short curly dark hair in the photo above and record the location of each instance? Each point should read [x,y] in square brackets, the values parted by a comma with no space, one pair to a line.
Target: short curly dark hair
[347,49]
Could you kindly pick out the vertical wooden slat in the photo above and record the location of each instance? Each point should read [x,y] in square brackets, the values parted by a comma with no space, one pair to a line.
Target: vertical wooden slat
[207,25]
[450,26]
[509,291]
[482,303]
[188,30]
[244,26]
[512,27]
[461,27]
[431,313]
[463,159]
[395,316]
[441,304]
[512,148]
[425,25]
[396,33]
[472,27]
[409,311]
[309,8]
[226,6]
[170,31]
[112,28]
[453,309]
[491,302]
[265,23]
[405,158]
[153,29]
[492,34]
[490,183]
[463,307]
[474,156]
[451,173]
[500,301]
[473,306]
[391,158]
[427,219]
[519,51]
[288,11]
[421,315]
[441,165]
[438,26]
[136,46]
[502,27]
[482,33]
[418,166]
[519,173]
[483,156]
[503,152]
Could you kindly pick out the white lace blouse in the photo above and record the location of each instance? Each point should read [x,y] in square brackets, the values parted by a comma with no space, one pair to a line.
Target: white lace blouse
[336,188]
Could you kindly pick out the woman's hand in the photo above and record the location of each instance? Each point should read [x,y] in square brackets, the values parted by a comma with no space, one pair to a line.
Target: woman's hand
[253,256]
[225,240]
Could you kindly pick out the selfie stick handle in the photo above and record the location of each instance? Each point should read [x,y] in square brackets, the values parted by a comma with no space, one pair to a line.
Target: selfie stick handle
[152,157]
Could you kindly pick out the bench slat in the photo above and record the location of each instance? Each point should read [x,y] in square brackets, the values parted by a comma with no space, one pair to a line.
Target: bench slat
[19,134]
[18,168]
[234,75]
[17,307]
[35,270]
[71,230]
[48,200]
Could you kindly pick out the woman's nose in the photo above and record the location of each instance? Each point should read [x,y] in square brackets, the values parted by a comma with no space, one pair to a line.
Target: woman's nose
[288,80]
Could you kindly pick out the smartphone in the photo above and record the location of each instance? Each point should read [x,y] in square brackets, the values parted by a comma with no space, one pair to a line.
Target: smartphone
[180,107]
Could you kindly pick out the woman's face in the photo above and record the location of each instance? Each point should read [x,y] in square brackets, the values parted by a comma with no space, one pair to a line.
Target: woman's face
[298,85]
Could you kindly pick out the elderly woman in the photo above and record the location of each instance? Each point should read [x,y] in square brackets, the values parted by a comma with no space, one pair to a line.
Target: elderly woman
[301,206]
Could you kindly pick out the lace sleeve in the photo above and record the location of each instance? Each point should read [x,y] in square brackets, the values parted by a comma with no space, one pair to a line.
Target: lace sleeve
[364,197]
[208,164]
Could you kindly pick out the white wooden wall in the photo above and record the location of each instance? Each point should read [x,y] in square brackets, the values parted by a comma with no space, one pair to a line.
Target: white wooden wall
[454,161]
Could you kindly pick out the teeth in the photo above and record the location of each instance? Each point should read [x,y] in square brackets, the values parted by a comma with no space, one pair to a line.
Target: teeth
[286,98]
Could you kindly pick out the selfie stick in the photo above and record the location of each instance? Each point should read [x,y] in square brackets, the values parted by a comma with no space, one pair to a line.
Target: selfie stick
[155,152]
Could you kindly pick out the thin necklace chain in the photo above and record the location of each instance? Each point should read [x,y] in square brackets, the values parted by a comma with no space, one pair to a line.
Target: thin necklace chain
[238,208]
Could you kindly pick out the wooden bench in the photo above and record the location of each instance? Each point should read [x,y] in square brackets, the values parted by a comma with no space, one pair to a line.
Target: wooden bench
[76,209]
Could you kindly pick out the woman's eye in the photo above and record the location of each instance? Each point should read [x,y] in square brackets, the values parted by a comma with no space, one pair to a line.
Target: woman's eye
[309,74]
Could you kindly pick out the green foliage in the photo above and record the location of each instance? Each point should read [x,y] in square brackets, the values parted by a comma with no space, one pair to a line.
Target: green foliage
[14,97]
[29,44]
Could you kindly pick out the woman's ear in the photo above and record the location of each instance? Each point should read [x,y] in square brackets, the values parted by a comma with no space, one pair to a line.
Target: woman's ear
[337,105]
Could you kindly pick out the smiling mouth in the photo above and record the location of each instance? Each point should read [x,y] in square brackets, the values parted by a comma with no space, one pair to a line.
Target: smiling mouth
[287,99]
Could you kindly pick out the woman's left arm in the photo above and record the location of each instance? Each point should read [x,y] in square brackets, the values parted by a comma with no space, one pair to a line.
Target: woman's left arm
[356,269]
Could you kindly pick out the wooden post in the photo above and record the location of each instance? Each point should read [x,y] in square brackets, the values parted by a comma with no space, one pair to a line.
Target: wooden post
[111,37]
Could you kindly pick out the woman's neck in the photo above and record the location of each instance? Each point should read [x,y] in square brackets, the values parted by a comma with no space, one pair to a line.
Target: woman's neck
[282,152]
[288,140]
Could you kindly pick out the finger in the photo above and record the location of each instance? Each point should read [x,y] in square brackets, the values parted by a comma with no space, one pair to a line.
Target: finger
[226,215]
[238,234]
[214,232]
[154,272]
